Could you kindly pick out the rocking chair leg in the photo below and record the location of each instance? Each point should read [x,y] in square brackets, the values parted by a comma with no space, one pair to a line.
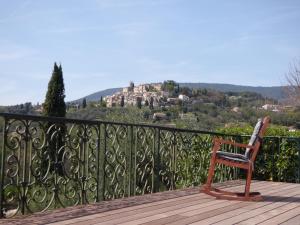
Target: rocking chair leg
[211,171]
[248,182]
[210,175]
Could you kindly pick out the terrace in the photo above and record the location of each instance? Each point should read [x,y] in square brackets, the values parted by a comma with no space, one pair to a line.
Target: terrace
[88,172]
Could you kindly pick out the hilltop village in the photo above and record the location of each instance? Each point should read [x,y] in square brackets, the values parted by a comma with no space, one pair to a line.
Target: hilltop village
[155,94]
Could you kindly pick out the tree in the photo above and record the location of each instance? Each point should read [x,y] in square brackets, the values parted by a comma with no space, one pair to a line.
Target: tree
[122,101]
[170,86]
[139,102]
[84,103]
[151,103]
[293,80]
[54,104]
[146,102]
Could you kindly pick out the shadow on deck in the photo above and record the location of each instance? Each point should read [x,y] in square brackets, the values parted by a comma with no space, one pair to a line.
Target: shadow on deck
[281,204]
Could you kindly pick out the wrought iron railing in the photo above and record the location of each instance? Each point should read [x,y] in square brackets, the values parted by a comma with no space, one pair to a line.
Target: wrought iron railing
[49,162]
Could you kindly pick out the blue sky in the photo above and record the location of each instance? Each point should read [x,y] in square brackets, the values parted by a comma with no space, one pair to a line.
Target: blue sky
[107,43]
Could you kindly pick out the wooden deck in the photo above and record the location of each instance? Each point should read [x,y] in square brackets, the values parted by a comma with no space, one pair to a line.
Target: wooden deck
[281,205]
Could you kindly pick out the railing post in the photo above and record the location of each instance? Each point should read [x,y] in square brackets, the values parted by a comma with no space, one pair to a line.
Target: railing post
[278,150]
[153,180]
[132,163]
[173,154]
[2,168]
[24,182]
[99,197]
[103,159]
[84,166]
[273,158]
[157,160]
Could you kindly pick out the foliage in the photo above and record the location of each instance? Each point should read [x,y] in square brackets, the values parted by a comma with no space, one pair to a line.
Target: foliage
[170,86]
[151,103]
[54,104]
[293,80]
[139,102]
[247,129]
[278,159]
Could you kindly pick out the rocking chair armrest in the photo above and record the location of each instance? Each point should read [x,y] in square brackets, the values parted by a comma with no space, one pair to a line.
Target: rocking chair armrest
[227,142]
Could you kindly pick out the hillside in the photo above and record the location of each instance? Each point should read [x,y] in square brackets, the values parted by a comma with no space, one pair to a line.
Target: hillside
[275,92]
[97,95]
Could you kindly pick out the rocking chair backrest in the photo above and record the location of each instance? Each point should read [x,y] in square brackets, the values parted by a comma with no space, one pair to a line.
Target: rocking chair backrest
[257,136]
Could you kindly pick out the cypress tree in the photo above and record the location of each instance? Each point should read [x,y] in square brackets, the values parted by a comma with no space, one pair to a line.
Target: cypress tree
[151,103]
[55,98]
[55,106]
[122,101]
[139,102]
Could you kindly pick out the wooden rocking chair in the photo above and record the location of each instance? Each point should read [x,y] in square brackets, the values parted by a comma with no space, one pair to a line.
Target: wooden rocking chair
[245,161]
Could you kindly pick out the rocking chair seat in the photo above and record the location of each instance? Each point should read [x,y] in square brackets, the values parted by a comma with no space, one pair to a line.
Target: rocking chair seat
[232,157]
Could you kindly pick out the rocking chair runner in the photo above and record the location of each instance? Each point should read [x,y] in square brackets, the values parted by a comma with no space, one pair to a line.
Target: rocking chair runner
[245,161]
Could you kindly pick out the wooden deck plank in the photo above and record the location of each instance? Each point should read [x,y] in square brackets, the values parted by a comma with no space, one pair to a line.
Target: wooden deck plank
[202,216]
[136,219]
[292,221]
[272,213]
[177,212]
[166,212]
[118,211]
[261,207]
[284,217]
[140,214]
[281,204]
[137,209]
[222,216]
[134,214]
[201,208]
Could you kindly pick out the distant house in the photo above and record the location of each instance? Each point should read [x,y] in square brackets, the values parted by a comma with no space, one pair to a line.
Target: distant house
[160,116]
[173,100]
[126,90]
[157,86]
[184,98]
[270,107]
